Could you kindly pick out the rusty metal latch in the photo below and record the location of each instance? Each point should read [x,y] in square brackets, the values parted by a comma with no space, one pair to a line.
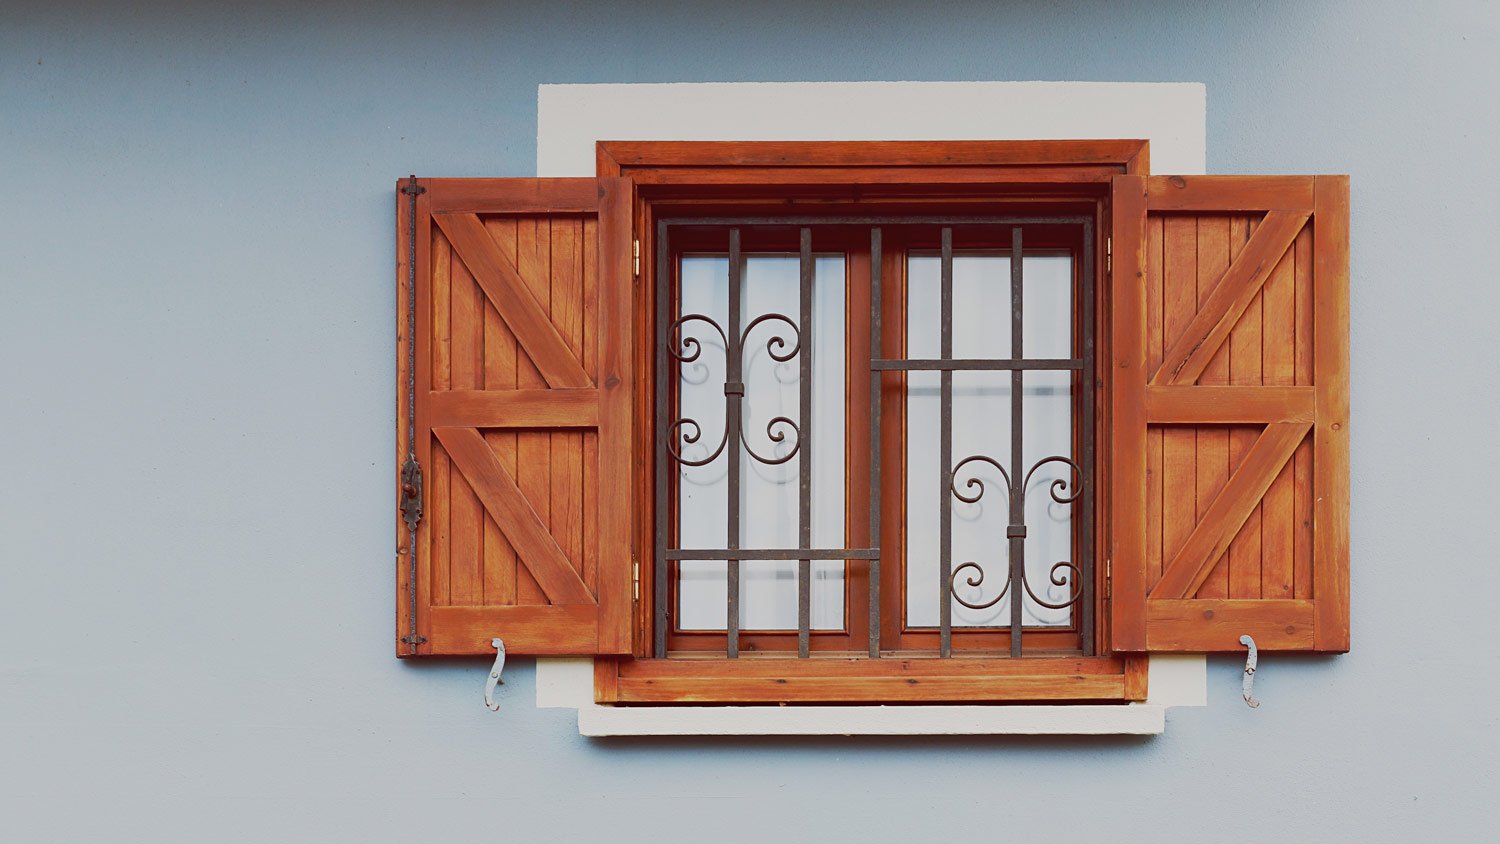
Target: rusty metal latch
[411,494]
[1249,681]
[494,679]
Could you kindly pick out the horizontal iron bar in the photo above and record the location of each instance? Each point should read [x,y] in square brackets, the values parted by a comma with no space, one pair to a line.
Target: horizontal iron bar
[874,221]
[981,363]
[773,554]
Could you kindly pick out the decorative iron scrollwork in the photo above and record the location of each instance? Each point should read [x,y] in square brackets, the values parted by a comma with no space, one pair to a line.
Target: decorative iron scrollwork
[686,348]
[1058,490]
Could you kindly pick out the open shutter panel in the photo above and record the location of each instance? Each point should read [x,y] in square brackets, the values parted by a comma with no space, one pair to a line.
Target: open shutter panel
[522,431]
[1230,396]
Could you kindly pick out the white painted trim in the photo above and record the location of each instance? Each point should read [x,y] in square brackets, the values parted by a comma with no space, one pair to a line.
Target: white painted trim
[570,118]
[569,684]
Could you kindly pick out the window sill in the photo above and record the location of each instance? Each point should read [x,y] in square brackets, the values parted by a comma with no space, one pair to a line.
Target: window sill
[1174,681]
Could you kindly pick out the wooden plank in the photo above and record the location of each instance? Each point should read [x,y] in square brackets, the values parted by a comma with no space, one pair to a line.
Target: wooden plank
[533,259]
[514,196]
[1128,437]
[437,471]
[1197,625]
[871,689]
[894,679]
[1302,578]
[1137,677]
[530,408]
[1223,518]
[712,667]
[1229,404]
[521,375]
[1278,350]
[465,514]
[1221,309]
[1179,443]
[1211,467]
[1331,437]
[515,299]
[786,177]
[616,350]
[516,516]
[500,562]
[589,562]
[1245,370]
[565,497]
[563,630]
[637,154]
[1229,194]
[1155,347]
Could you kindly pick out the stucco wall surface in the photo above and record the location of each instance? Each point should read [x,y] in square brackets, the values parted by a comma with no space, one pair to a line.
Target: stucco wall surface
[195,397]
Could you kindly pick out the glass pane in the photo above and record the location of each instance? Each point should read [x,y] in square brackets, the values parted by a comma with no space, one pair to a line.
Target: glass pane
[769,506]
[981,428]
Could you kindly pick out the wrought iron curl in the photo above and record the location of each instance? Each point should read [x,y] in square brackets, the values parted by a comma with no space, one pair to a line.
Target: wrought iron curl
[689,439]
[1058,485]
[692,347]
[976,580]
[776,436]
[975,482]
[776,341]
[1057,580]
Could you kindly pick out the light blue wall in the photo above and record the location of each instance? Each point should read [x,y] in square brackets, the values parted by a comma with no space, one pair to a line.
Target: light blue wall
[196,375]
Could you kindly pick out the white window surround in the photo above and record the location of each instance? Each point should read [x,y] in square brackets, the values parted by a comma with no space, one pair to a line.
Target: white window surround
[571,118]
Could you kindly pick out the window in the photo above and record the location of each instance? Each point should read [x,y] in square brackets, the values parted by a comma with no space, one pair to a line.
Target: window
[742,417]
[983,381]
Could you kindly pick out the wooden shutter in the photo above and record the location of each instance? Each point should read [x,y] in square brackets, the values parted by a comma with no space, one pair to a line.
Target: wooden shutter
[1230,397]
[523,420]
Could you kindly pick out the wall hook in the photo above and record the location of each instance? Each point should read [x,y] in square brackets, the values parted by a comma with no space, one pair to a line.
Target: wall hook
[1249,681]
[494,678]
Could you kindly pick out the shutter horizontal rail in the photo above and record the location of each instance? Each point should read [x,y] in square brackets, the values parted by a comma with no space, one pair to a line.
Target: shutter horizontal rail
[564,628]
[515,196]
[1216,624]
[1229,404]
[515,408]
[1229,194]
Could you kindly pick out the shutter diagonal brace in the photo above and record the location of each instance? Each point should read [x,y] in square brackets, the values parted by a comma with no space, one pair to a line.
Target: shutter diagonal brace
[411,470]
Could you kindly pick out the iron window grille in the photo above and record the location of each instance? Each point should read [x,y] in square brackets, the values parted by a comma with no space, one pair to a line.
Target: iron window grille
[681,338]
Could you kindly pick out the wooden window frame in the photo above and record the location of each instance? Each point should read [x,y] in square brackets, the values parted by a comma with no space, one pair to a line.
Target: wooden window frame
[675,179]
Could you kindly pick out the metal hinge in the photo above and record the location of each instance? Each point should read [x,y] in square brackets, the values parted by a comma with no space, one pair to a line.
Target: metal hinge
[411,493]
[635,579]
[1109,579]
[1109,254]
[411,188]
[635,254]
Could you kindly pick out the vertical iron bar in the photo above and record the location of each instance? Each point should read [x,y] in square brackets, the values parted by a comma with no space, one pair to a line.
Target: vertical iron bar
[875,444]
[1086,502]
[733,394]
[945,454]
[664,474]
[1017,531]
[411,470]
[804,445]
